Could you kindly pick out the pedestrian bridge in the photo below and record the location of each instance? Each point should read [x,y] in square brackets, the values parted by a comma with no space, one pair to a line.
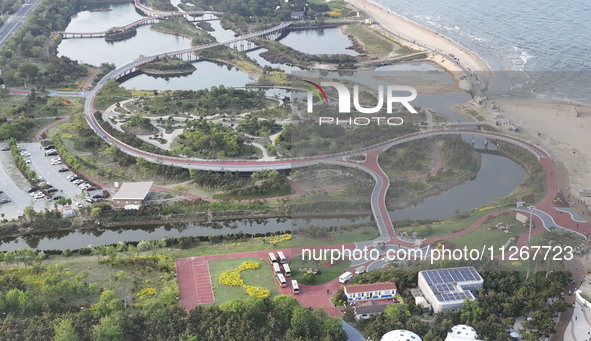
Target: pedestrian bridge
[194,16]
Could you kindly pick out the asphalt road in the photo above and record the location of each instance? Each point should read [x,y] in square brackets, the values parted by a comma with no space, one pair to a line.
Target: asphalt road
[16,20]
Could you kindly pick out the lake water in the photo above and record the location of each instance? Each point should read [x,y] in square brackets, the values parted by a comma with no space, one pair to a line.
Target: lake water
[321,41]
[101,236]
[498,176]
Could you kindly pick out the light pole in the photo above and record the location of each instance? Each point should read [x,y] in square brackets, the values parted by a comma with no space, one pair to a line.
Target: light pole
[530,218]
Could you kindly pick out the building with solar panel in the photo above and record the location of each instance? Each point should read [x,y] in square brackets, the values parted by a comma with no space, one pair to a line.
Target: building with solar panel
[447,289]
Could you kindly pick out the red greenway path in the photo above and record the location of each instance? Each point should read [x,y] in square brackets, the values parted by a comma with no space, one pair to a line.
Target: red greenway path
[38,136]
[195,284]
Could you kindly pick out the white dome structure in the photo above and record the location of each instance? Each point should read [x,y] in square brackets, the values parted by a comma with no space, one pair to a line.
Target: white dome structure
[462,332]
[400,335]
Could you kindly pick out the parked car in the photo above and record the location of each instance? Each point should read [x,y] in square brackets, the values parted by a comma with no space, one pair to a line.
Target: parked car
[88,189]
[57,197]
[51,152]
[97,196]
[79,205]
[39,195]
[5,148]
[64,169]
[32,189]
[4,201]
[52,190]
[49,147]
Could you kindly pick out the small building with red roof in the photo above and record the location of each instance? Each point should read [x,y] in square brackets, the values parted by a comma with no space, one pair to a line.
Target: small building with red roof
[376,291]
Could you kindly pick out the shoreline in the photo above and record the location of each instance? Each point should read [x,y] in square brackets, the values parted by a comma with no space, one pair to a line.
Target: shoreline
[447,54]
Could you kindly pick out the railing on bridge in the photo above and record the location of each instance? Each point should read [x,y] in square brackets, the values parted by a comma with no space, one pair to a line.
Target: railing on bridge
[140,22]
[133,66]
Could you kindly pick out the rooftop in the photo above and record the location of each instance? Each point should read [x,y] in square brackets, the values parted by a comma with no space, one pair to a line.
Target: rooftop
[446,284]
[370,287]
[133,191]
[451,275]
[371,308]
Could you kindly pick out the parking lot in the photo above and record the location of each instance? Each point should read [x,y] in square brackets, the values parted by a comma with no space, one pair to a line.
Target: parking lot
[15,186]
[41,164]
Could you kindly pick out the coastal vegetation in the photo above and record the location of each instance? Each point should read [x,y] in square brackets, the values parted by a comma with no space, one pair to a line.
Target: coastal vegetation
[212,141]
[534,187]
[258,127]
[161,5]
[238,14]
[309,138]
[183,27]
[281,54]
[409,166]
[168,66]
[216,100]
[116,34]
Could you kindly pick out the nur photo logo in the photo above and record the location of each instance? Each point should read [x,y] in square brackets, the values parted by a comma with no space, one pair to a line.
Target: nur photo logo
[386,94]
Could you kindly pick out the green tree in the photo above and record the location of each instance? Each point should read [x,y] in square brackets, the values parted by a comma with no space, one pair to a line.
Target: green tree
[109,328]
[308,277]
[95,212]
[397,312]
[64,331]
[29,212]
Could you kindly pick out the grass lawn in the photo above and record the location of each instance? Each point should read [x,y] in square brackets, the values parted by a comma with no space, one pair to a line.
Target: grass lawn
[556,238]
[497,238]
[327,273]
[107,276]
[374,43]
[262,277]
[9,101]
[445,227]
[103,102]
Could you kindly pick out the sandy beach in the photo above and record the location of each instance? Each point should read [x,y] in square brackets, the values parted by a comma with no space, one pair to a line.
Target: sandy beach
[556,126]
[447,53]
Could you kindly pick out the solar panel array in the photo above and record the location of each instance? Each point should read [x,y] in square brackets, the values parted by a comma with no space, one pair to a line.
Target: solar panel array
[441,288]
[454,296]
[455,275]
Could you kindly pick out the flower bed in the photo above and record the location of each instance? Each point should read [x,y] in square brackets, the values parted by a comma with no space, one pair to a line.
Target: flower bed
[232,278]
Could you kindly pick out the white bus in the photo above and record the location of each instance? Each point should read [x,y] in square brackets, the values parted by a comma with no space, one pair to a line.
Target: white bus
[282,258]
[276,268]
[281,280]
[287,270]
[344,278]
[272,257]
[295,287]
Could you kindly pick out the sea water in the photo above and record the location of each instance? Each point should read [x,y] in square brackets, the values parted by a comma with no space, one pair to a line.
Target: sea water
[544,44]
